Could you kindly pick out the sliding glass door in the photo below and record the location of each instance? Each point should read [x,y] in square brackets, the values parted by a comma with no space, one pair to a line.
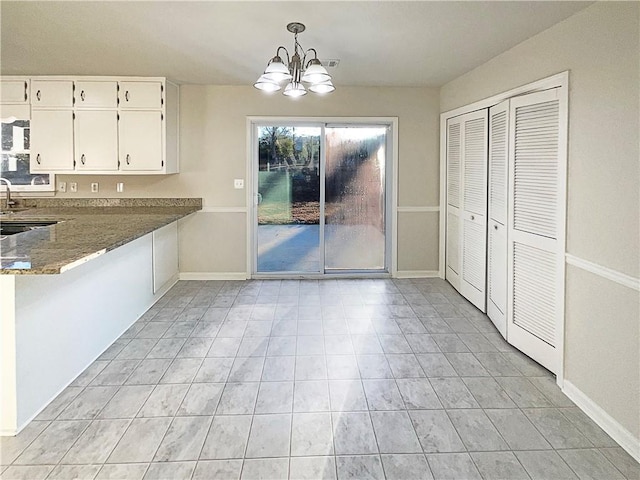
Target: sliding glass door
[288,197]
[320,199]
[355,198]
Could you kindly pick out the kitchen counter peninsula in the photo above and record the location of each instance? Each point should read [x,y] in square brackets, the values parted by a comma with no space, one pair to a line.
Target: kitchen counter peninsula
[69,290]
[86,228]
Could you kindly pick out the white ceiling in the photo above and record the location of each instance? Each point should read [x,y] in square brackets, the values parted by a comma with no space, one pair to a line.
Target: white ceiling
[379,43]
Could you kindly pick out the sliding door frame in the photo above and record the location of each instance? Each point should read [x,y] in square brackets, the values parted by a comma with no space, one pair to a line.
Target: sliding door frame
[391,201]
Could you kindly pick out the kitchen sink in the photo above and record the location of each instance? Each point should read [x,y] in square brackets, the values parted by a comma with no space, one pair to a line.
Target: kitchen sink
[12,227]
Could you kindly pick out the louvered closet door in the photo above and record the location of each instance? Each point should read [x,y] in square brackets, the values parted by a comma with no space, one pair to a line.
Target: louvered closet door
[537,176]
[454,184]
[474,208]
[497,229]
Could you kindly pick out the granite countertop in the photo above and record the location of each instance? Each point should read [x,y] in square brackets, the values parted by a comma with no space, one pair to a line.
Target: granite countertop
[86,228]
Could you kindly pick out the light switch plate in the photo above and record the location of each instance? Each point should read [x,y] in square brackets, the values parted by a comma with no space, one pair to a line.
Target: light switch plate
[62,186]
[238,183]
[120,187]
[73,186]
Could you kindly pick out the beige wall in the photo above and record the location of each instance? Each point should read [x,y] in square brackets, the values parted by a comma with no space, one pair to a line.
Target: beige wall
[213,152]
[600,48]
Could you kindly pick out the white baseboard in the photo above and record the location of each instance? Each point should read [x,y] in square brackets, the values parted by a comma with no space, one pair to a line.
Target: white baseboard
[416,274]
[213,276]
[605,421]
[165,288]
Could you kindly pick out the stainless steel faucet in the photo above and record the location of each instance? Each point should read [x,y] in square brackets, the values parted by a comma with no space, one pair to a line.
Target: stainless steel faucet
[10,202]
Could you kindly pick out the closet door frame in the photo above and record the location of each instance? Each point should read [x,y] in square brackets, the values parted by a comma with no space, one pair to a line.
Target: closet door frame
[560,80]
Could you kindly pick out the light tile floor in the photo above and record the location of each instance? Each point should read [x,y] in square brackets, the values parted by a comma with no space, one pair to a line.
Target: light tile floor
[396,379]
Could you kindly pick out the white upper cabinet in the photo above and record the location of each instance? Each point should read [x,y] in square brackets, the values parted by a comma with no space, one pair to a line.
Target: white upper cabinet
[96,94]
[51,141]
[96,140]
[14,91]
[140,135]
[141,95]
[52,93]
[99,125]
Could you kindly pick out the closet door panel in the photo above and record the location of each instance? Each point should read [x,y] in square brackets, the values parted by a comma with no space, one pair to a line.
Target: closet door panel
[474,206]
[454,188]
[453,247]
[534,293]
[474,253]
[498,160]
[497,276]
[475,165]
[496,232]
[454,162]
[536,226]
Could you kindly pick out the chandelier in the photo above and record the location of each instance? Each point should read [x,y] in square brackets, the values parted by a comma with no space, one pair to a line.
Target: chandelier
[295,71]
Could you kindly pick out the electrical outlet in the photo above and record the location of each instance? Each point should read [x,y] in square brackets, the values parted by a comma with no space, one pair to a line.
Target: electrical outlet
[94,187]
[238,183]
[73,186]
[62,186]
[120,187]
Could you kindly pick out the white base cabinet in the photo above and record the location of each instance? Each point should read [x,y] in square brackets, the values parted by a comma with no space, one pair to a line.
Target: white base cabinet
[54,326]
[165,256]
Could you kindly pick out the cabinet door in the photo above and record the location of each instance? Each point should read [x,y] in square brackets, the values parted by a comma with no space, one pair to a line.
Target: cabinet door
[51,140]
[96,140]
[51,93]
[96,94]
[14,91]
[140,138]
[141,95]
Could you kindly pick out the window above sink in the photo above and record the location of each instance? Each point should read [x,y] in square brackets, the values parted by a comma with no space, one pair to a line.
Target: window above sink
[15,155]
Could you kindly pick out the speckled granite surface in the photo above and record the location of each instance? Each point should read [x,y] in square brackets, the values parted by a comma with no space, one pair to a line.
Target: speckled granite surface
[86,228]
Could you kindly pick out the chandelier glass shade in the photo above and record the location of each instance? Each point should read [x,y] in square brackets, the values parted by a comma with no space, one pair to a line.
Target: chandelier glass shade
[296,70]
